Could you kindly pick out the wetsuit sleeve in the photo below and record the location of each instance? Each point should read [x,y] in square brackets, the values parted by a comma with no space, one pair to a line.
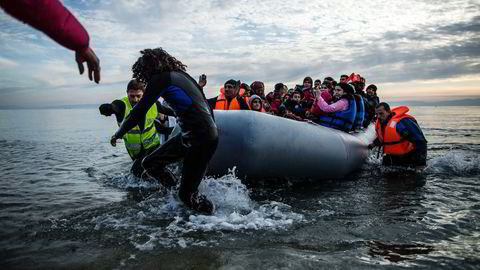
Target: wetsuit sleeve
[52,18]
[155,88]
[164,109]
[409,129]
[212,102]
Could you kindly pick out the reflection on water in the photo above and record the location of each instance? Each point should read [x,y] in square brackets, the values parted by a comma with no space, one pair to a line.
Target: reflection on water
[67,201]
[397,252]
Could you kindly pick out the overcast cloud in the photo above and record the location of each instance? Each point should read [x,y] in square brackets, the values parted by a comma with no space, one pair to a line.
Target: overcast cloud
[388,42]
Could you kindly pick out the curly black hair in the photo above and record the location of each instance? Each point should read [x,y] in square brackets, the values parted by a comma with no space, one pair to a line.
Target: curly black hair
[153,61]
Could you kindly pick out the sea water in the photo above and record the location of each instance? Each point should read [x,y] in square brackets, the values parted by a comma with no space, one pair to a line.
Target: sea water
[68,201]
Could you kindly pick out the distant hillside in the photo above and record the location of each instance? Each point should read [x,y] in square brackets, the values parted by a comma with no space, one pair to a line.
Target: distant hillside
[458,102]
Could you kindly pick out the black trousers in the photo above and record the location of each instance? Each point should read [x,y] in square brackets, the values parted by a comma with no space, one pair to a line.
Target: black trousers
[411,159]
[196,157]
[137,169]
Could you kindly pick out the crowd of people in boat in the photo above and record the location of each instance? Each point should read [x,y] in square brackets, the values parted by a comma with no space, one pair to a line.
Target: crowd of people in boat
[343,105]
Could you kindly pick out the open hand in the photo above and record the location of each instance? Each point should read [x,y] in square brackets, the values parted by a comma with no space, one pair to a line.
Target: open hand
[93,63]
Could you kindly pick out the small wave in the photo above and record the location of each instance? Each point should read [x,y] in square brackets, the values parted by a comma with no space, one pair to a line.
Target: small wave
[161,219]
[455,163]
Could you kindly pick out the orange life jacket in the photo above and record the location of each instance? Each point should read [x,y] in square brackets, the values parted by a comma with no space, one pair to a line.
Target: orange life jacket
[222,103]
[393,143]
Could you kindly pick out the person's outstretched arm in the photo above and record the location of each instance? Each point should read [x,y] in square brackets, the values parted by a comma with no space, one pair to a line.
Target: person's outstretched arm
[154,90]
[53,19]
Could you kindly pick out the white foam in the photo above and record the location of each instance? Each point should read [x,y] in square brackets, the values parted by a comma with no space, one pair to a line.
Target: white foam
[460,163]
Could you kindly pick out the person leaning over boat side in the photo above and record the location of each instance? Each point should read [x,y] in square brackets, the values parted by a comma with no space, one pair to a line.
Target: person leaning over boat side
[372,100]
[143,138]
[401,137]
[341,113]
[53,19]
[229,98]
[197,141]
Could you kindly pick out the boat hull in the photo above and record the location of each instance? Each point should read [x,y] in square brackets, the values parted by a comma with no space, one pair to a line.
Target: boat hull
[263,146]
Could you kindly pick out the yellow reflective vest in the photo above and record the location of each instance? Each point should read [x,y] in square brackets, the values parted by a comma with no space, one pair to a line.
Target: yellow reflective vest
[136,139]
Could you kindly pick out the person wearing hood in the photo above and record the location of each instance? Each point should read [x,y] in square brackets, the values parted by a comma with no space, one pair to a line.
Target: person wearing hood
[143,138]
[229,98]
[308,96]
[258,88]
[256,103]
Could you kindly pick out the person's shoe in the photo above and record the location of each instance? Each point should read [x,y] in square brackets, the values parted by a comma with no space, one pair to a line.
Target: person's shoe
[199,203]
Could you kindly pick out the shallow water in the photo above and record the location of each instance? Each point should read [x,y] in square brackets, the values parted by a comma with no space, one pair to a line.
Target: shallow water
[67,201]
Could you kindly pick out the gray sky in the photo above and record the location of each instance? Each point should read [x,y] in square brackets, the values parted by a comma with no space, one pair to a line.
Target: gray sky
[425,50]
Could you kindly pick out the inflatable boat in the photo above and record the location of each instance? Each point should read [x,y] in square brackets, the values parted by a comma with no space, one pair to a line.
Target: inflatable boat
[262,146]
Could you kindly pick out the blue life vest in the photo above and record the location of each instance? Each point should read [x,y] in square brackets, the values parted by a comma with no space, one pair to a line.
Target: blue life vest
[340,120]
[360,116]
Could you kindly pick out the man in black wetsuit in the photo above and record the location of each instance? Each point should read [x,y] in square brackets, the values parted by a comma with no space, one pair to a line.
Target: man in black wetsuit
[143,138]
[165,77]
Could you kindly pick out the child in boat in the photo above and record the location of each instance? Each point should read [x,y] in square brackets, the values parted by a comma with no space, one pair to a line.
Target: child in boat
[293,108]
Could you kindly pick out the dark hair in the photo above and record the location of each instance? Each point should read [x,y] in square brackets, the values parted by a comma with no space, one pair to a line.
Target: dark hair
[231,81]
[278,87]
[153,61]
[318,80]
[245,86]
[373,87]
[343,76]
[384,105]
[308,79]
[328,79]
[135,85]
[346,88]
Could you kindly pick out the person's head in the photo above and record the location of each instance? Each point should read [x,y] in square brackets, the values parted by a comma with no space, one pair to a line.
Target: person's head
[278,89]
[135,91]
[342,89]
[317,83]
[343,78]
[153,61]
[297,96]
[255,103]
[328,82]
[248,91]
[258,88]
[383,111]
[372,90]
[284,90]
[307,83]
[286,97]
[230,88]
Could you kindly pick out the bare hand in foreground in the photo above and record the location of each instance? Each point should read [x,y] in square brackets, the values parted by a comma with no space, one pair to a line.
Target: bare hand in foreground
[93,63]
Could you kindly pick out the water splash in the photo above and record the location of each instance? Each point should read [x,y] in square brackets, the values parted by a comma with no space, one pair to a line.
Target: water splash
[455,163]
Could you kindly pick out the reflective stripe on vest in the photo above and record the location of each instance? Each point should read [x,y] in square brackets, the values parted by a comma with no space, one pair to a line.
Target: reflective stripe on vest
[136,139]
[393,143]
